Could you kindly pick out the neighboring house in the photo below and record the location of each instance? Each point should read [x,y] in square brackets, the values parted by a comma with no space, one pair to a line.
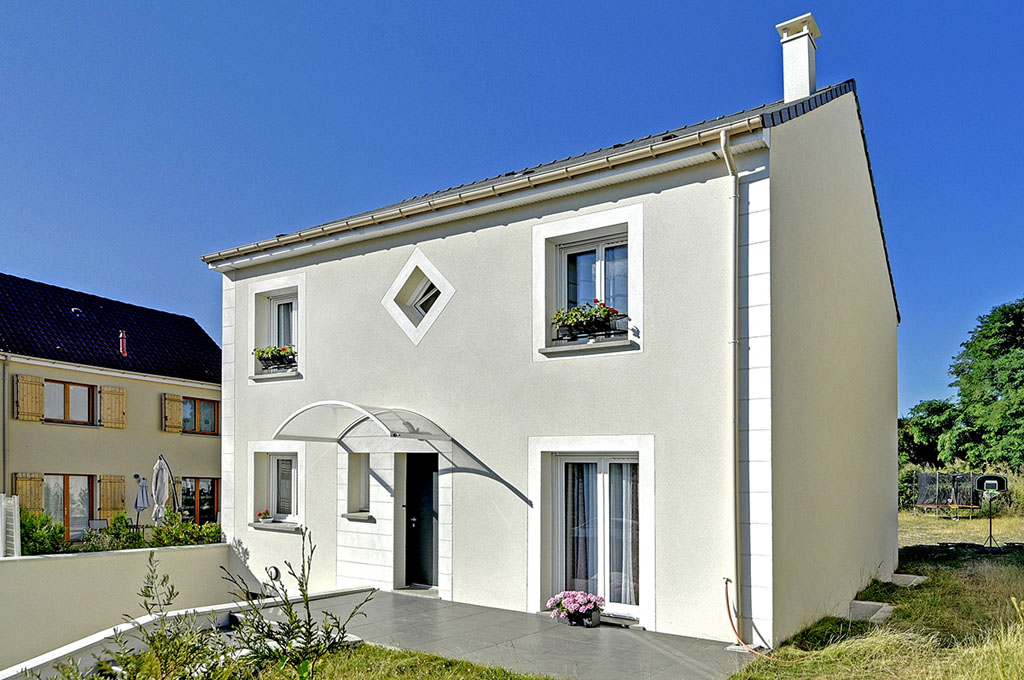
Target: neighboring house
[740,424]
[93,390]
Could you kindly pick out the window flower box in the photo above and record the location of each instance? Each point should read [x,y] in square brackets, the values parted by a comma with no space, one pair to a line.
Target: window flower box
[276,358]
[591,320]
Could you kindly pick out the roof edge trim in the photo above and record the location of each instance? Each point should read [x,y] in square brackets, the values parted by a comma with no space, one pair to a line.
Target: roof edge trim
[495,190]
[499,189]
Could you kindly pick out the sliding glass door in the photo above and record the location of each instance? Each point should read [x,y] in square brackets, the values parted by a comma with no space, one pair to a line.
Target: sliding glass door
[598,530]
[68,499]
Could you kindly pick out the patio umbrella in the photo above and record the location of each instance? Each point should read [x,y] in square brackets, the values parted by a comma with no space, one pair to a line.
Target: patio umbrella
[163,489]
[142,499]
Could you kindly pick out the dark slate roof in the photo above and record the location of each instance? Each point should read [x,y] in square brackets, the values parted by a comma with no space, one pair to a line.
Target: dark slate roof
[49,322]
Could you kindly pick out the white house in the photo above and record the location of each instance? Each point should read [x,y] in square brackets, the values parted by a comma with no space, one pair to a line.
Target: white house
[437,432]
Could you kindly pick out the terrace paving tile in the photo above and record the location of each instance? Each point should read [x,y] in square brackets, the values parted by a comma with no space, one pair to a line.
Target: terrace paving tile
[532,643]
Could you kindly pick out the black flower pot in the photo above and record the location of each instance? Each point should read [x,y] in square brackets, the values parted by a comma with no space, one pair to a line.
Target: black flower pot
[277,363]
[589,619]
[594,328]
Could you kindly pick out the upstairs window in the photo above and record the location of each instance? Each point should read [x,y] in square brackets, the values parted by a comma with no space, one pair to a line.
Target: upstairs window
[595,270]
[426,298]
[65,402]
[282,320]
[588,292]
[276,334]
[199,416]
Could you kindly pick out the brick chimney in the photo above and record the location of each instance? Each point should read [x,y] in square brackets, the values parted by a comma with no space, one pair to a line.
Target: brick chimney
[798,47]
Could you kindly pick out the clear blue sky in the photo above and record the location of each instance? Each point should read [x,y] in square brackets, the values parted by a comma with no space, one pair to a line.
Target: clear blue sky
[135,137]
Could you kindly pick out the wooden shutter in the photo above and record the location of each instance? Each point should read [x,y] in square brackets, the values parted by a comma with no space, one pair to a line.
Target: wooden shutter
[28,397]
[177,494]
[113,407]
[172,412]
[28,487]
[111,496]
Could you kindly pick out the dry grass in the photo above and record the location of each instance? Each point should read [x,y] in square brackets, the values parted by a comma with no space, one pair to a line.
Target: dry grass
[958,625]
[928,529]
[889,653]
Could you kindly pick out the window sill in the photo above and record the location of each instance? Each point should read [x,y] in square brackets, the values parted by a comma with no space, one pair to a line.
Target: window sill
[617,345]
[359,517]
[272,377]
[280,527]
[66,424]
[201,434]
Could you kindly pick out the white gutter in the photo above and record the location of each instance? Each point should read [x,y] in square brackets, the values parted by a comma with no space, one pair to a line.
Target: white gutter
[494,190]
[96,370]
[734,240]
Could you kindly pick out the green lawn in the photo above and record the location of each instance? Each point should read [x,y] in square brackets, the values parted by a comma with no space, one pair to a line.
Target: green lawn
[961,624]
[927,529]
[370,662]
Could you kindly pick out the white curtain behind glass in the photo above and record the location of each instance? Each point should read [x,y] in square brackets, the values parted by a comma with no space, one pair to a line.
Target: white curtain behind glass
[623,533]
[581,526]
[616,278]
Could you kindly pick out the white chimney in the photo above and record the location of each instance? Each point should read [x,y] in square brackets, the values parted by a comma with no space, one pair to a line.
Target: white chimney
[798,36]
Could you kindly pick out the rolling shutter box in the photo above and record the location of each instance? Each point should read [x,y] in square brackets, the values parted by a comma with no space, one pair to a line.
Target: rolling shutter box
[28,487]
[172,412]
[113,407]
[28,397]
[111,493]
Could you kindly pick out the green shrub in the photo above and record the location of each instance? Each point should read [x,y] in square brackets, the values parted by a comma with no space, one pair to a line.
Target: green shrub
[296,639]
[118,536]
[40,535]
[176,531]
[908,485]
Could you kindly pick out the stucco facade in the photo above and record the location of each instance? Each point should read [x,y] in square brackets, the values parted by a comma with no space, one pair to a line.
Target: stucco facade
[37,445]
[718,394]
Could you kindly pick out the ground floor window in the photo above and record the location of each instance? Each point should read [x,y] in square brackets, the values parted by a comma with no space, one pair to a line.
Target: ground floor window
[200,499]
[598,530]
[283,487]
[68,499]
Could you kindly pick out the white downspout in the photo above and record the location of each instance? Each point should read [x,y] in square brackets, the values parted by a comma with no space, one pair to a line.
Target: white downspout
[734,223]
[5,421]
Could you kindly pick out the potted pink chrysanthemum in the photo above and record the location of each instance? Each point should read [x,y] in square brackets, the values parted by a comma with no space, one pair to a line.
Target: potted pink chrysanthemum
[577,608]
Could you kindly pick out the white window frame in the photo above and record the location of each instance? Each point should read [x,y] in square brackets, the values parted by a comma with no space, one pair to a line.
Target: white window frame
[541,516]
[261,323]
[598,245]
[603,462]
[358,483]
[274,332]
[259,455]
[396,308]
[272,487]
[423,291]
[549,238]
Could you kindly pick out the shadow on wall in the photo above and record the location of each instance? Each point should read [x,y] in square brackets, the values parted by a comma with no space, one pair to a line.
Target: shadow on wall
[463,460]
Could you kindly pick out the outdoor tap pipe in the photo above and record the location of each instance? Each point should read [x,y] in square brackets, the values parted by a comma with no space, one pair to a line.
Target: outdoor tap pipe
[734,222]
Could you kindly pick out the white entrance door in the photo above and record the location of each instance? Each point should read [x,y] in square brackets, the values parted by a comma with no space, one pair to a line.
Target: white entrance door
[597,531]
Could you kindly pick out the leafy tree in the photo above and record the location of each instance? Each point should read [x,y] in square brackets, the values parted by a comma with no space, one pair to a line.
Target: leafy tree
[921,431]
[988,375]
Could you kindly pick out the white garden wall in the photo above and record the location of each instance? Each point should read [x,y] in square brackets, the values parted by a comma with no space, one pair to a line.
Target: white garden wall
[50,600]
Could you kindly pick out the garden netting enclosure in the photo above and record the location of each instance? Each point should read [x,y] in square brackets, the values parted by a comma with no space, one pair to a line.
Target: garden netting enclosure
[949,492]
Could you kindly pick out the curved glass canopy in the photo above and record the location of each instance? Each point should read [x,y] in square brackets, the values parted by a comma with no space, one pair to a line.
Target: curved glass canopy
[352,424]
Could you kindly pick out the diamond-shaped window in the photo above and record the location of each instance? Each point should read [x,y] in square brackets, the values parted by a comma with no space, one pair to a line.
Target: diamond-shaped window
[418,296]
